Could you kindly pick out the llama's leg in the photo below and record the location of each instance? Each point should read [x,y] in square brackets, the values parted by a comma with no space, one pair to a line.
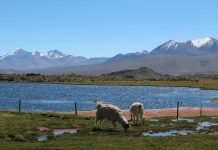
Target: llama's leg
[137,119]
[96,123]
[134,119]
[101,121]
[114,124]
[131,116]
[142,119]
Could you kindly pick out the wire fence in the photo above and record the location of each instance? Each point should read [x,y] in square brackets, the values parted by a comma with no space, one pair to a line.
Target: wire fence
[76,108]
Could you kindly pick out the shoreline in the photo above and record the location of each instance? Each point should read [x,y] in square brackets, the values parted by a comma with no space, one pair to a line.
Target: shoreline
[158,113]
[203,85]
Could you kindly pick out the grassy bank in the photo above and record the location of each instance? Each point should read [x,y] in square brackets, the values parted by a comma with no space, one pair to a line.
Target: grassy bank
[203,84]
[19,131]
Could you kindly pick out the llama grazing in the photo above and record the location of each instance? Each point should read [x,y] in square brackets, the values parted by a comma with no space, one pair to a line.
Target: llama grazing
[137,113]
[111,113]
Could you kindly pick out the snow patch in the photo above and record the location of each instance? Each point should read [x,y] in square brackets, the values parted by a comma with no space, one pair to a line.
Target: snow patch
[53,54]
[170,44]
[208,41]
[15,52]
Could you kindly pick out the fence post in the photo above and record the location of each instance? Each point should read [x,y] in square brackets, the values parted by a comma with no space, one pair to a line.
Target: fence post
[201,111]
[75,109]
[177,114]
[19,106]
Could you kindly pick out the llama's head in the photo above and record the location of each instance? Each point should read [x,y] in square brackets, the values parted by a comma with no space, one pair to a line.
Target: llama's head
[126,126]
[99,105]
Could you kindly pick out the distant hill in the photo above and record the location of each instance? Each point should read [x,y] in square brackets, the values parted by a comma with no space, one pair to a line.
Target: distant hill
[141,73]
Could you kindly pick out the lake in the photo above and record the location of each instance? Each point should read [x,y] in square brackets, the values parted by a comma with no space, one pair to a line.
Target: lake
[61,98]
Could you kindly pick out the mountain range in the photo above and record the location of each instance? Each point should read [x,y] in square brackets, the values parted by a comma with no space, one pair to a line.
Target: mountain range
[171,57]
[23,60]
[199,47]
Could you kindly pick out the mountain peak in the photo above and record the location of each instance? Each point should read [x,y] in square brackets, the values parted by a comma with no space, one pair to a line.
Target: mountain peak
[18,51]
[36,53]
[207,41]
[144,52]
[53,54]
[170,44]
[55,51]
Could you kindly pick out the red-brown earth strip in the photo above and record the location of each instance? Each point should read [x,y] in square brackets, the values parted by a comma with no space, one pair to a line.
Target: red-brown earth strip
[156,113]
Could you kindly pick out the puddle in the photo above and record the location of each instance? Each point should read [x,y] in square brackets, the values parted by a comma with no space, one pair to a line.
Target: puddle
[168,133]
[57,132]
[205,124]
[183,119]
[42,138]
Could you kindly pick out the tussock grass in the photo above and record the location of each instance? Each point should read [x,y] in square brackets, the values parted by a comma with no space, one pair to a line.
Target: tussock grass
[19,131]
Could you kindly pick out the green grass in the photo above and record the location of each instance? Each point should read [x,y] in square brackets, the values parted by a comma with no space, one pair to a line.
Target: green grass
[203,84]
[19,131]
[210,83]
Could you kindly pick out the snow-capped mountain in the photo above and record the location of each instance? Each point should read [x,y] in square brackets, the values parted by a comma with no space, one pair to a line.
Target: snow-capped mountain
[18,52]
[204,42]
[204,46]
[53,54]
[170,44]
[23,60]
[171,57]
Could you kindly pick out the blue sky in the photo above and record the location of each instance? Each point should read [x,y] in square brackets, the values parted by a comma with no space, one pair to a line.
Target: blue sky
[95,28]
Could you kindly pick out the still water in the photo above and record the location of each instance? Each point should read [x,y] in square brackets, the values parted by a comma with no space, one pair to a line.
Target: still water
[61,98]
